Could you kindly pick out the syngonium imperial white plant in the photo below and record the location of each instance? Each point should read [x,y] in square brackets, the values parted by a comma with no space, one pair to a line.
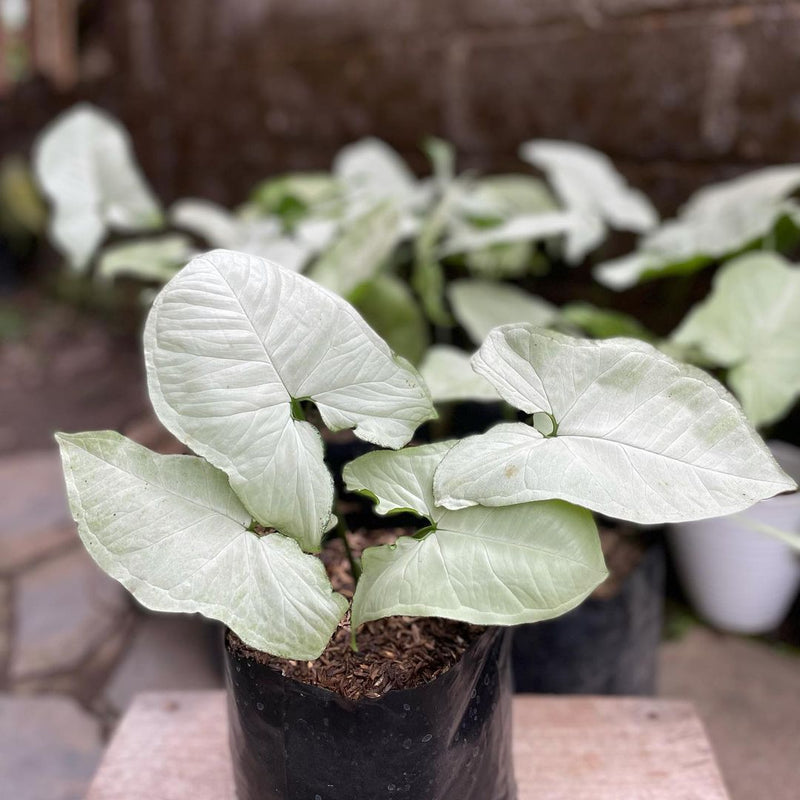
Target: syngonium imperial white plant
[235,346]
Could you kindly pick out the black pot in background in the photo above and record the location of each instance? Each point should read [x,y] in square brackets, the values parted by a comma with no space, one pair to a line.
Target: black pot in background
[605,646]
[447,739]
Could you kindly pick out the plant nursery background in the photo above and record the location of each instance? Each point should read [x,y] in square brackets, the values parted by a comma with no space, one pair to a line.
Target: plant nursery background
[218,97]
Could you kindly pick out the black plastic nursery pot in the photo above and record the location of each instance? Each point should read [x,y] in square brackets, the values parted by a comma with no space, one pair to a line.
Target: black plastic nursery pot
[448,739]
[607,645]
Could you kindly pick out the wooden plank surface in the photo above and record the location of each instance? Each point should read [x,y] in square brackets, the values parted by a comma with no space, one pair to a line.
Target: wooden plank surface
[173,746]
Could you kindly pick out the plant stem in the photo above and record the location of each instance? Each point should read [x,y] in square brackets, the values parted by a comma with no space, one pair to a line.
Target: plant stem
[355,567]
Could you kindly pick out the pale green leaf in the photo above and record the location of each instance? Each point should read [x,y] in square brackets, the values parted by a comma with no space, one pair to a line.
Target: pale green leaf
[85,165]
[498,197]
[448,373]
[464,238]
[719,221]
[638,436]
[427,274]
[491,566]
[603,323]
[480,306]
[750,323]
[390,309]
[154,259]
[170,529]
[588,185]
[360,252]
[231,341]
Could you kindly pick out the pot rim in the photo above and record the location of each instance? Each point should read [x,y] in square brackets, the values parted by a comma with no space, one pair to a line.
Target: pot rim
[486,638]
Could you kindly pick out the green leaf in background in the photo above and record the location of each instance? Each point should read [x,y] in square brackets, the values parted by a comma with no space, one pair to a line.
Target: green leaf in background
[448,373]
[85,166]
[750,324]
[604,323]
[390,309]
[480,306]
[636,436]
[360,252]
[229,356]
[256,235]
[489,566]
[442,156]
[171,531]
[427,273]
[22,209]
[154,259]
[294,196]
[718,222]
[589,186]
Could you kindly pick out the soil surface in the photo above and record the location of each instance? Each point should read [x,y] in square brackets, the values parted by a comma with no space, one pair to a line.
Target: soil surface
[393,653]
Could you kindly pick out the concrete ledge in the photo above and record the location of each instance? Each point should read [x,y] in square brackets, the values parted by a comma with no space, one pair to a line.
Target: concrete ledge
[174,746]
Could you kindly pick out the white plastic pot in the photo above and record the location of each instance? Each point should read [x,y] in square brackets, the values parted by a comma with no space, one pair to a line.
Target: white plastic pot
[739,579]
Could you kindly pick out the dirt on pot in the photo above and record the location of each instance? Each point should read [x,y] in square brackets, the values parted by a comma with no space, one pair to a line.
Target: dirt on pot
[393,653]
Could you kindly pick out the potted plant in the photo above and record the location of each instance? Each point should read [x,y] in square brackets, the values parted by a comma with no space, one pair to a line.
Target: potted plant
[742,572]
[236,349]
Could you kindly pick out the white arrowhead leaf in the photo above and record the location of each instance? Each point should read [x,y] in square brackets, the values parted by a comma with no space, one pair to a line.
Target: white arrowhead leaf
[360,252]
[448,373]
[481,305]
[85,164]
[231,341]
[154,259]
[490,566]
[588,184]
[638,435]
[170,529]
[717,222]
[750,323]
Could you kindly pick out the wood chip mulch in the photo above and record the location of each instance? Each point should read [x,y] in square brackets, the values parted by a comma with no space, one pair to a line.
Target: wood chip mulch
[394,653]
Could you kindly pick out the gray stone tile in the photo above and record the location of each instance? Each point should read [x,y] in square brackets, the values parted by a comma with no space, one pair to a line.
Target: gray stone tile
[64,609]
[167,652]
[49,748]
[748,695]
[34,516]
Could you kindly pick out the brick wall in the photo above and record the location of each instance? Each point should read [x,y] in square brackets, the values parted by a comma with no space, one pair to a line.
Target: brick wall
[219,94]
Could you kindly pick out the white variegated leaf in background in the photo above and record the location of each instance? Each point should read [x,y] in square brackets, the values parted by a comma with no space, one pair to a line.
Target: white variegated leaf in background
[750,324]
[85,165]
[253,234]
[492,566]
[154,259]
[371,172]
[448,373]
[719,221]
[171,530]
[481,305]
[360,252]
[588,184]
[637,436]
[233,342]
